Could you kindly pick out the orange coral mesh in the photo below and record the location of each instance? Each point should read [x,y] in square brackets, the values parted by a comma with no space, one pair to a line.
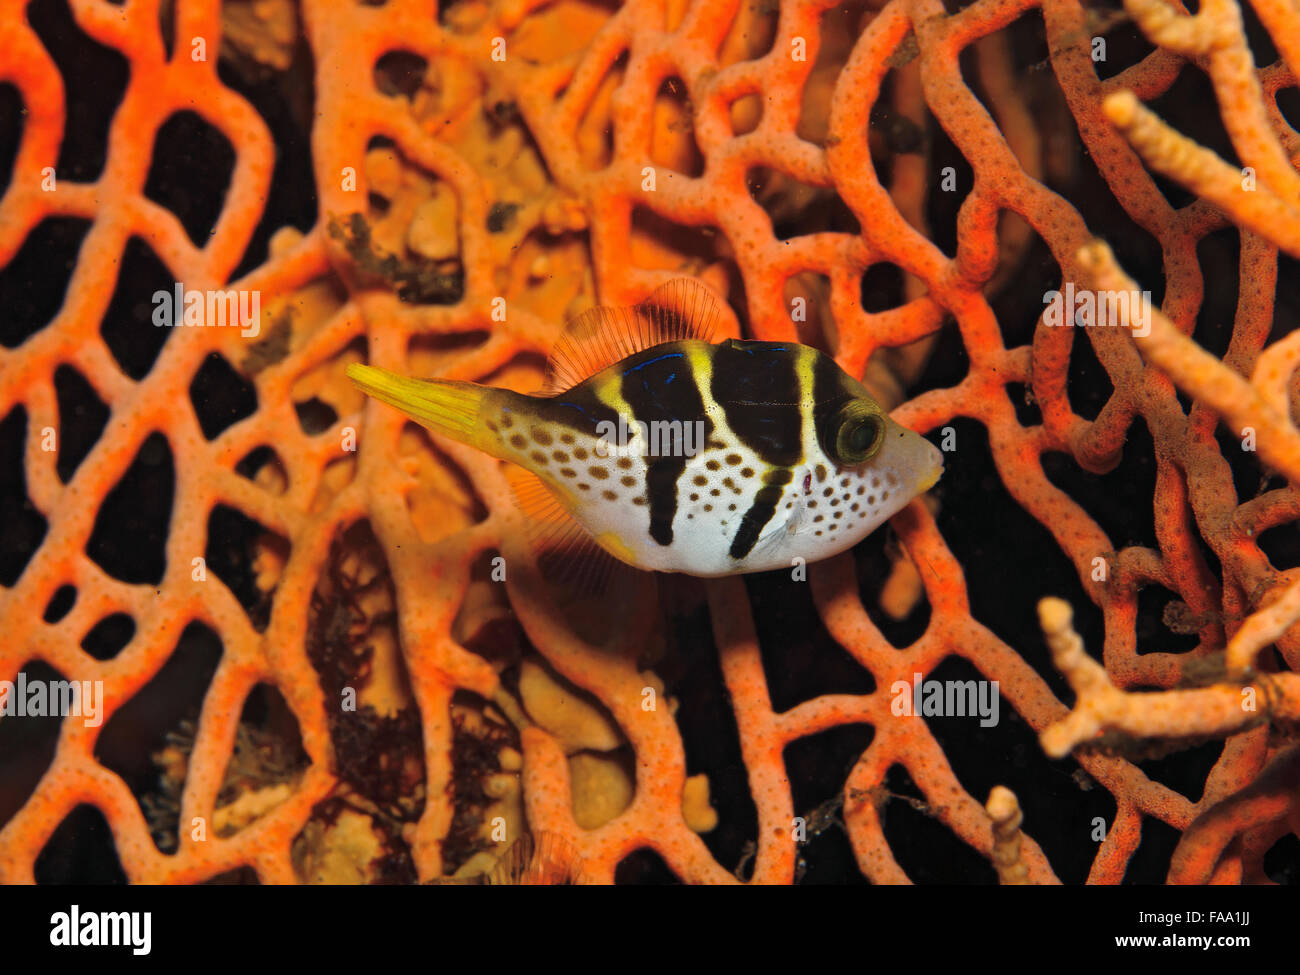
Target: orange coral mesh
[612,66]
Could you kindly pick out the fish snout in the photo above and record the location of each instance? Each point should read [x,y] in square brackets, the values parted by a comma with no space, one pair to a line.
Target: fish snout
[931,468]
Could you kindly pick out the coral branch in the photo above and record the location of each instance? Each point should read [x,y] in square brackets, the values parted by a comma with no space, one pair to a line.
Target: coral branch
[1103,708]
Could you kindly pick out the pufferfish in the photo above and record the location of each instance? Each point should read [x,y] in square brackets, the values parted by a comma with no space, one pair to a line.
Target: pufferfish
[678,454]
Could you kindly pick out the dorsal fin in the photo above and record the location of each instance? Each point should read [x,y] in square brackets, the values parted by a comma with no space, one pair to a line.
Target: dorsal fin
[565,551]
[599,337]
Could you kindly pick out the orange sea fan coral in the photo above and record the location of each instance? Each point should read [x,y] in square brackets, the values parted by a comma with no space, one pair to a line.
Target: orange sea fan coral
[484,170]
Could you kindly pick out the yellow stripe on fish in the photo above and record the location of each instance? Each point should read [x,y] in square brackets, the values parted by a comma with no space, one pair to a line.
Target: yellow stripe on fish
[678,454]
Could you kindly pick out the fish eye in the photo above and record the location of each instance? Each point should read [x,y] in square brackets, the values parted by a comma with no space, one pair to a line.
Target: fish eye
[859,433]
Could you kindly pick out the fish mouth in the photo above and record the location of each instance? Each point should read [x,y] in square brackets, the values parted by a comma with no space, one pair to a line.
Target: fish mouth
[931,477]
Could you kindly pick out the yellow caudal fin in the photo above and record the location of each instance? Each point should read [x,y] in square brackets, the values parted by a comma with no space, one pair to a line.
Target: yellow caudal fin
[446,406]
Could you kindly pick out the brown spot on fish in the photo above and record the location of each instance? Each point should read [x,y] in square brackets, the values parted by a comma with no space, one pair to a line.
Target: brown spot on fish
[540,436]
[599,473]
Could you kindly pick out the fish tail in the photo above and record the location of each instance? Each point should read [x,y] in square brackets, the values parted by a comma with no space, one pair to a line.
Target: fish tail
[446,406]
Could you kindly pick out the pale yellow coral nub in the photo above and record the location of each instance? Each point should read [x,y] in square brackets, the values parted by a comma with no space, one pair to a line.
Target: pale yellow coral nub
[1120,107]
[1004,809]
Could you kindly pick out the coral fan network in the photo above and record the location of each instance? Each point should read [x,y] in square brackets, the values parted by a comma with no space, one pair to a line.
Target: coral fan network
[889,181]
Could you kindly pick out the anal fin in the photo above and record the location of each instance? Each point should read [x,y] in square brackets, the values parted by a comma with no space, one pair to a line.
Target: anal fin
[566,553]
